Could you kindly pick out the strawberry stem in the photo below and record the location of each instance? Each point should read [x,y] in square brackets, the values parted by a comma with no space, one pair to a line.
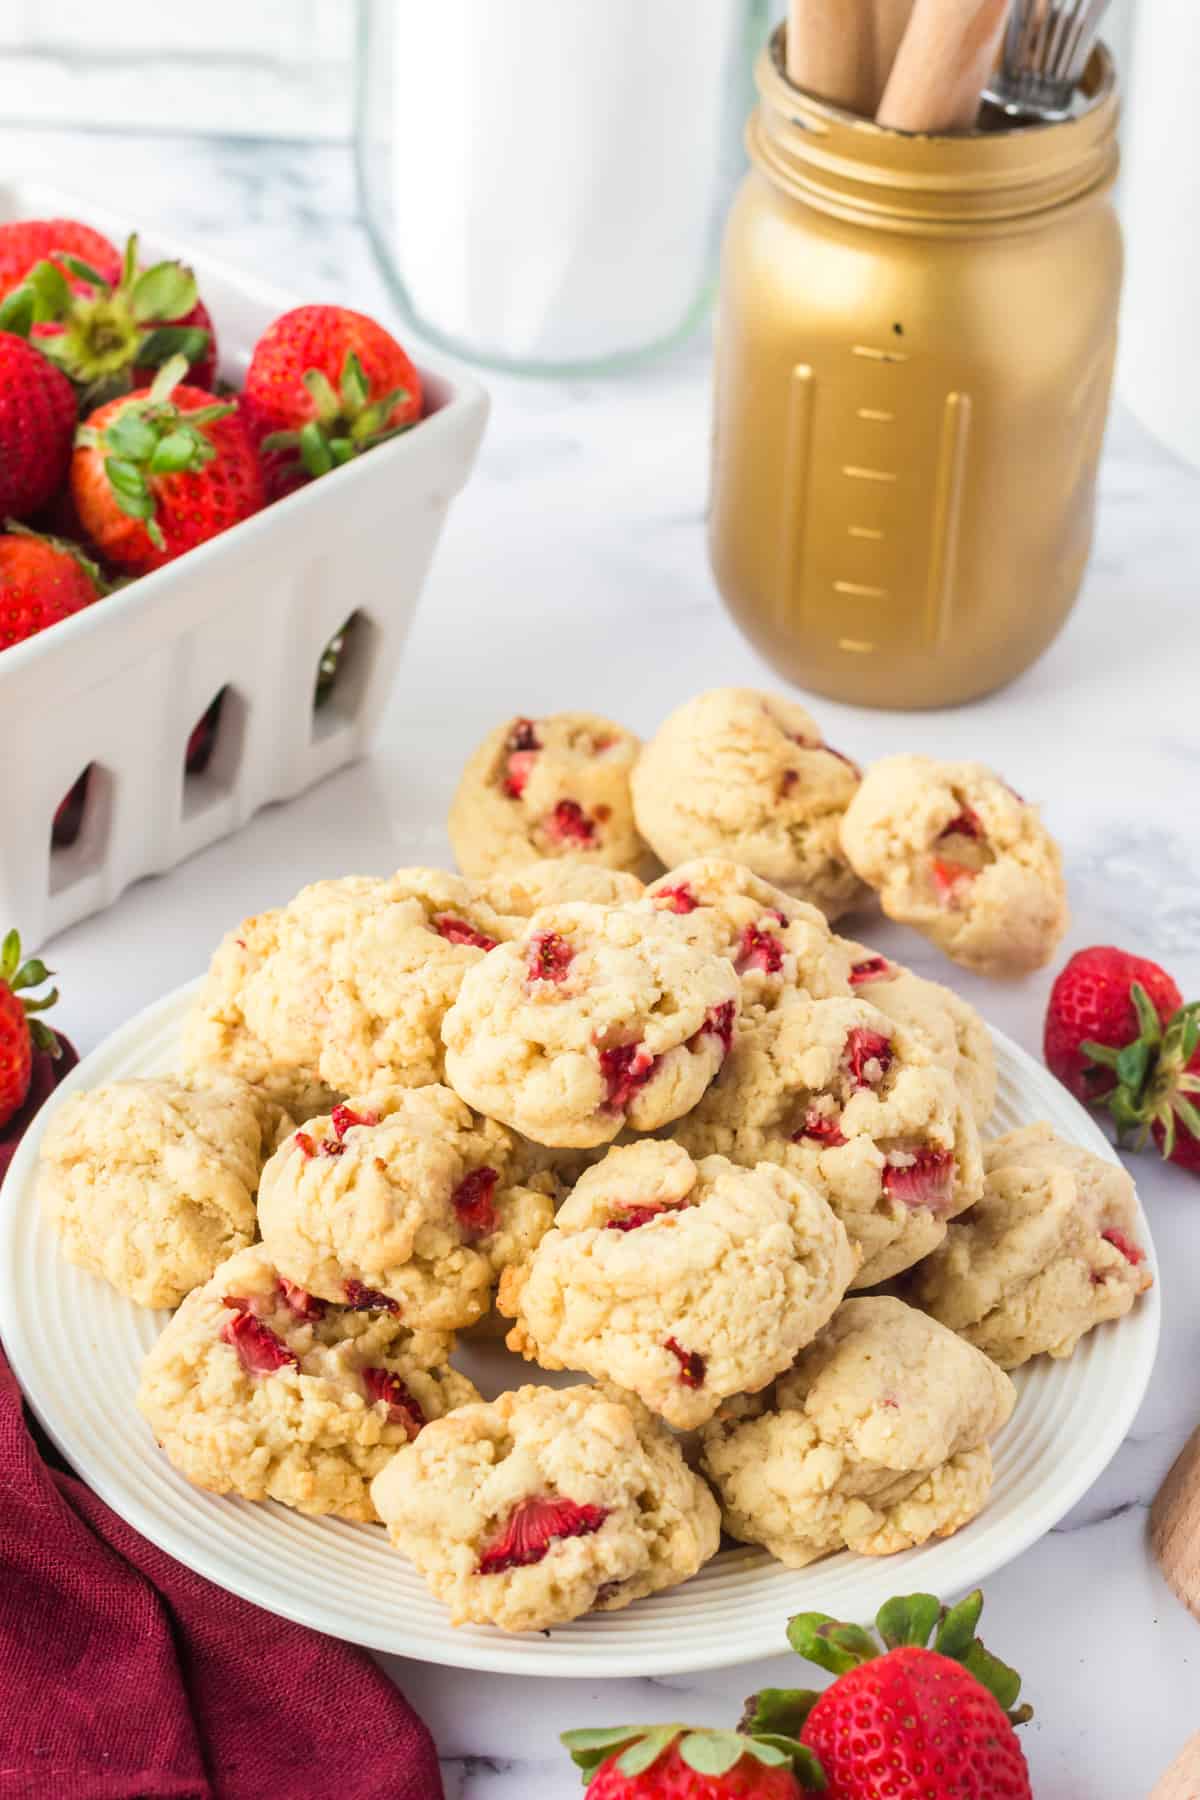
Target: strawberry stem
[19,976]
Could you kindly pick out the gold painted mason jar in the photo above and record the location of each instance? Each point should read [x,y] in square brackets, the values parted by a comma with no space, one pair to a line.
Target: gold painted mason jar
[914,360]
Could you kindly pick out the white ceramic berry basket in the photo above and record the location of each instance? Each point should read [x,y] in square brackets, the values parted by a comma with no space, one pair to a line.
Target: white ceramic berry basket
[118,688]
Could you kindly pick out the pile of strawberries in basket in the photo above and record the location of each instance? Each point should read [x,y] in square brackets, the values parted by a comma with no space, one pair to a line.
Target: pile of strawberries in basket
[120,448]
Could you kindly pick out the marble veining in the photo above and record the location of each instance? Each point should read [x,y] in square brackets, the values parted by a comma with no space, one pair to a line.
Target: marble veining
[574,573]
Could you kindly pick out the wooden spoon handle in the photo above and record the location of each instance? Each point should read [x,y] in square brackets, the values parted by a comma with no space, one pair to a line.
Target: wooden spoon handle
[890,23]
[1175,1526]
[830,52]
[947,54]
[1182,1779]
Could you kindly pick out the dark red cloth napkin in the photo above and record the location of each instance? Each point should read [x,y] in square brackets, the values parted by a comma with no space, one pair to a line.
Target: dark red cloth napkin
[124,1676]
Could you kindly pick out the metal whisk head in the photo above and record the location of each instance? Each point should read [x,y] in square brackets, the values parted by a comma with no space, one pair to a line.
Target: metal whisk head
[1046,49]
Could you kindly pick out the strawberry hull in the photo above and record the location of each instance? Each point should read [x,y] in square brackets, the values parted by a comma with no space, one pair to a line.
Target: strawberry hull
[250,612]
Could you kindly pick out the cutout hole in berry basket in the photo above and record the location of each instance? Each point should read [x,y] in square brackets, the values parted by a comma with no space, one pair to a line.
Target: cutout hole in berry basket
[80,828]
[341,677]
[213,752]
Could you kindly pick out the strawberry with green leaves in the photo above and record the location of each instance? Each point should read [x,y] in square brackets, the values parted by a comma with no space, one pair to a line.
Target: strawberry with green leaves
[37,426]
[42,581]
[109,326]
[324,385]
[1119,1036]
[22,1032]
[26,242]
[902,1718]
[161,470]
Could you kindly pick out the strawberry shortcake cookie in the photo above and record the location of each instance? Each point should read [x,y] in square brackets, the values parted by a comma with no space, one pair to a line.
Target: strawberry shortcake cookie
[955,852]
[547,1504]
[405,1199]
[151,1184]
[260,1389]
[748,776]
[551,787]
[593,1020]
[682,1282]
[519,893]
[774,941]
[1049,1252]
[877,1440]
[838,1093]
[952,1031]
[348,984]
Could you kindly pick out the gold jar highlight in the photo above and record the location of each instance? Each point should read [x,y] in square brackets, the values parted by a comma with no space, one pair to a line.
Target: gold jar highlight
[914,361]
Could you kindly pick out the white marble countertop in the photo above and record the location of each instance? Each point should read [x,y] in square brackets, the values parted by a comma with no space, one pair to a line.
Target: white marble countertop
[573,573]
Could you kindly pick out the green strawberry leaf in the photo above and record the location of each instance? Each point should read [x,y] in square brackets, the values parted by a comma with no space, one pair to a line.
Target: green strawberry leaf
[908,1619]
[590,1748]
[1133,1063]
[51,288]
[188,341]
[18,311]
[320,391]
[805,1764]
[778,1712]
[84,270]
[166,291]
[129,261]
[30,974]
[179,450]
[10,956]
[639,1757]
[1001,1681]
[314,451]
[1148,1020]
[712,1752]
[829,1643]
[956,1633]
[131,436]
[355,388]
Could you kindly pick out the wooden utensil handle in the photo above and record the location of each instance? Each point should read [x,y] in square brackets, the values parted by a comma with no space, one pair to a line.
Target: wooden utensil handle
[1182,1779]
[943,65]
[830,52]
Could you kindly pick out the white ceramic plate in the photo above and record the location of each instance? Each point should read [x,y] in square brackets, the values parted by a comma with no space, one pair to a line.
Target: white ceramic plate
[76,1346]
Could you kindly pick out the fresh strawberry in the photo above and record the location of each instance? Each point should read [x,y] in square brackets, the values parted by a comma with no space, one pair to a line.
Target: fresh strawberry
[260,1350]
[927,1181]
[37,426]
[324,385]
[159,471]
[1092,1002]
[48,1071]
[1118,1035]
[907,1720]
[677,1762]
[21,1031]
[403,1408]
[533,1526]
[42,580]
[26,242]
[473,1201]
[110,325]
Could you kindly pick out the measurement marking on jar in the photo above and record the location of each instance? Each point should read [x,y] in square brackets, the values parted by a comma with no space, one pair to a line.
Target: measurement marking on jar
[873,354]
[876,414]
[860,591]
[947,514]
[856,646]
[796,483]
[865,531]
[857,474]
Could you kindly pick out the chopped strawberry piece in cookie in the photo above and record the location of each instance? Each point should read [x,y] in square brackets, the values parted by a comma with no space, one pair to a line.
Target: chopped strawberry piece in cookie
[787,782]
[759,949]
[533,1527]
[821,1128]
[842,757]
[569,824]
[718,1023]
[923,1179]
[343,1117]
[626,1068]
[473,1201]
[1133,1253]
[634,1217]
[259,1350]
[677,899]
[966,824]
[403,1409]
[867,1056]
[950,878]
[692,1366]
[875,968]
[458,931]
[523,736]
[364,1299]
[519,768]
[550,956]
[298,1300]
[327,1147]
